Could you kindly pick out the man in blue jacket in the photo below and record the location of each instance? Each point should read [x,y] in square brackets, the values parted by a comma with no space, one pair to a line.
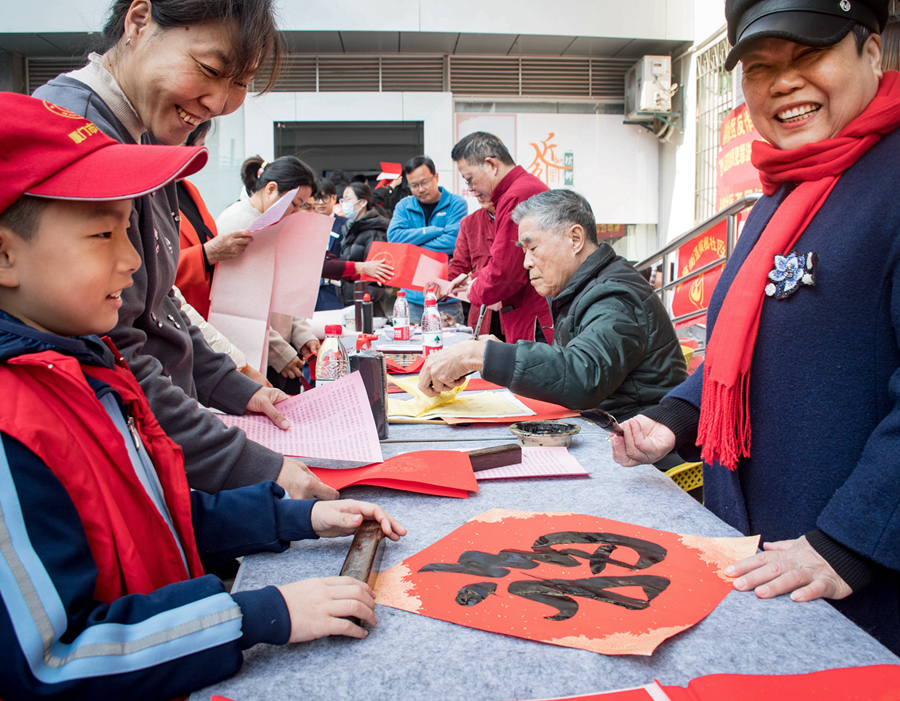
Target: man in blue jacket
[430,219]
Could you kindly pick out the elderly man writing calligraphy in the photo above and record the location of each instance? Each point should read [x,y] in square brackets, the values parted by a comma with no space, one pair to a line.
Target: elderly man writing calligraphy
[804,323]
[613,346]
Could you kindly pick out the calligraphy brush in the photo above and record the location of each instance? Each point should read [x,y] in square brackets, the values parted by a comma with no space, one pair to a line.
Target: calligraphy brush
[480,319]
[606,420]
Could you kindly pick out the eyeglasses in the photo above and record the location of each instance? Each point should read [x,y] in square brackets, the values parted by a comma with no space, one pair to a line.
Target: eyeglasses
[469,180]
[324,198]
[421,185]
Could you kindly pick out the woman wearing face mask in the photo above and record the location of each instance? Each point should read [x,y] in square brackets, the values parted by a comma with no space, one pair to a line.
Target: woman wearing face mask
[290,339]
[162,69]
[363,226]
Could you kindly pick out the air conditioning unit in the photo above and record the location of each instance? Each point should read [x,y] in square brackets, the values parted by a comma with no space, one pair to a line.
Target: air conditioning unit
[648,88]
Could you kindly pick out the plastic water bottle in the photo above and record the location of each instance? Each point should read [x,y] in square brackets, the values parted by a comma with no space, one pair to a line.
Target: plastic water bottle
[401,317]
[332,363]
[432,329]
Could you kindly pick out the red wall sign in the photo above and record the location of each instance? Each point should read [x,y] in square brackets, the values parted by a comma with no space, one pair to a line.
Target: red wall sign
[735,174]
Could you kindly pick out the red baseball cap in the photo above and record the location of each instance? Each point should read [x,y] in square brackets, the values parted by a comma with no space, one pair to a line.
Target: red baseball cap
[47,151]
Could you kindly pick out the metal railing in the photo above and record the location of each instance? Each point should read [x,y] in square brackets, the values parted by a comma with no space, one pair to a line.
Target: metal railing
[729,215]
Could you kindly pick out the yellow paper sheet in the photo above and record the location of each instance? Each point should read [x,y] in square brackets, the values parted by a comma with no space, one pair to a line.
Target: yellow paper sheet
[469,405]
[419,404]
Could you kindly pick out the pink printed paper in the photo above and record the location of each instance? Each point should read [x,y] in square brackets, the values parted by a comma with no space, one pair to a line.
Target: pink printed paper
[330,422]
[537,461]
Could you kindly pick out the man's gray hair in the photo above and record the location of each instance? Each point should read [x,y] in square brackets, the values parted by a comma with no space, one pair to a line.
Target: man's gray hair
[556,210]
[477,147]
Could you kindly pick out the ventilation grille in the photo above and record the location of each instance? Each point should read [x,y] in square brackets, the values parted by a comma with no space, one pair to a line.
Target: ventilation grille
[521,76]
[40,70]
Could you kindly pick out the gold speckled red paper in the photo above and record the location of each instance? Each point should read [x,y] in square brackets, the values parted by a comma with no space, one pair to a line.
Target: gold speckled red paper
[566,579]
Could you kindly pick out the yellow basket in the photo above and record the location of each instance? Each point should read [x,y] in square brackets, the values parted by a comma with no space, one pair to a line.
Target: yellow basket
[688,475]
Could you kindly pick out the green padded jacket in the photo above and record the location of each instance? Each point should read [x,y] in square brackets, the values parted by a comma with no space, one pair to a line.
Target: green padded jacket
[614,346]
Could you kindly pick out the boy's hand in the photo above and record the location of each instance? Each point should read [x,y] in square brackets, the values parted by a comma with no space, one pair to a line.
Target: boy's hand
[336,518]
[320,607]
[300,483]
[264,401]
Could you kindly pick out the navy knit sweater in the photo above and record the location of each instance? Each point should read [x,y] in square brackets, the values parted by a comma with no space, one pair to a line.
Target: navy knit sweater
[824,391]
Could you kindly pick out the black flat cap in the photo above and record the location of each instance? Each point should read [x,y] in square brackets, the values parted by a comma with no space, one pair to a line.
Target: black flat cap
[807,22]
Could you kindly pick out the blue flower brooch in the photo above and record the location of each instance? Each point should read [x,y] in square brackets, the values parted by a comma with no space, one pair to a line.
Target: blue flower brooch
[790,272]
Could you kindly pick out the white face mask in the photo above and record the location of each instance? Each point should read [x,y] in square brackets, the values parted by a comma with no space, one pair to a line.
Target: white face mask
[348,209]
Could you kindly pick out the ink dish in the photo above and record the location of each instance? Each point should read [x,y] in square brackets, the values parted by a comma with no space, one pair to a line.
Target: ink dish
[558,433]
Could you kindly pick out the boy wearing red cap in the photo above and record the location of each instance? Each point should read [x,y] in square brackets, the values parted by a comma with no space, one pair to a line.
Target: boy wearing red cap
[103,544]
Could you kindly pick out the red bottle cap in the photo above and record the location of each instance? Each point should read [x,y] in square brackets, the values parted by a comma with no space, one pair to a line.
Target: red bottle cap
[401,293]
[366,297]
[334,330]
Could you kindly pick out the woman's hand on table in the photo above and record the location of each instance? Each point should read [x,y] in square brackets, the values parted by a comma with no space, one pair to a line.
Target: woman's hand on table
[300,483]
[331,519]
[321,607]
[377,269]
[226,246]
[788,567]
[264,401]
[645,441]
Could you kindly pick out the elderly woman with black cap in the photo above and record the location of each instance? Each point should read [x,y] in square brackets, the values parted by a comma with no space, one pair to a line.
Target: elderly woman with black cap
[804,326]
[165,67]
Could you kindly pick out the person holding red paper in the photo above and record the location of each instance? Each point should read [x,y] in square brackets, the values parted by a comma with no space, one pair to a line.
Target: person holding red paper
[429,219]
[819,475]
[490,172]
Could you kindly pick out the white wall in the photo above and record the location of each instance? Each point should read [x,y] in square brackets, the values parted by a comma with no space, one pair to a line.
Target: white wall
[250,131]
[646,19]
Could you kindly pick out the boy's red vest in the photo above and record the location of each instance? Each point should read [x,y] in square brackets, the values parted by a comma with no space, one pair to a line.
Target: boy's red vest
[49,407]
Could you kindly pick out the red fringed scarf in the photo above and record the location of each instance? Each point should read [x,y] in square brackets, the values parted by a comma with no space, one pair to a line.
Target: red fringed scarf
[724,431]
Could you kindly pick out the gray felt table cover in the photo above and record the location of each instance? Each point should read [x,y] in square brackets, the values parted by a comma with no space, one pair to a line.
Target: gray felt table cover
[408,656]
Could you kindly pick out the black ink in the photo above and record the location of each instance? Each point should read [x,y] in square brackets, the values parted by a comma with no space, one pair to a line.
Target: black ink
[555,592]
[648,553]
[472,594]
[558,593]
[479,564]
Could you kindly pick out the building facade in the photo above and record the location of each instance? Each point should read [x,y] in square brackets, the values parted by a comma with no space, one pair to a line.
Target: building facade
[366,83]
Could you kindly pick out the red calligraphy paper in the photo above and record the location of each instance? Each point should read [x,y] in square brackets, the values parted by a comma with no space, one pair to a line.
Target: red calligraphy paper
[445,473]
[869,683]
[567,579]
[395,368]
[404,257]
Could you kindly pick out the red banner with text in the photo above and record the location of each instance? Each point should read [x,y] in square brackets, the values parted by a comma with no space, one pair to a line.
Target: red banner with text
[693,295]
[735,174]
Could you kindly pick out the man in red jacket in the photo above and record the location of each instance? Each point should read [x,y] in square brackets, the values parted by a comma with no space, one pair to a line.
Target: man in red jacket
[490,172]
